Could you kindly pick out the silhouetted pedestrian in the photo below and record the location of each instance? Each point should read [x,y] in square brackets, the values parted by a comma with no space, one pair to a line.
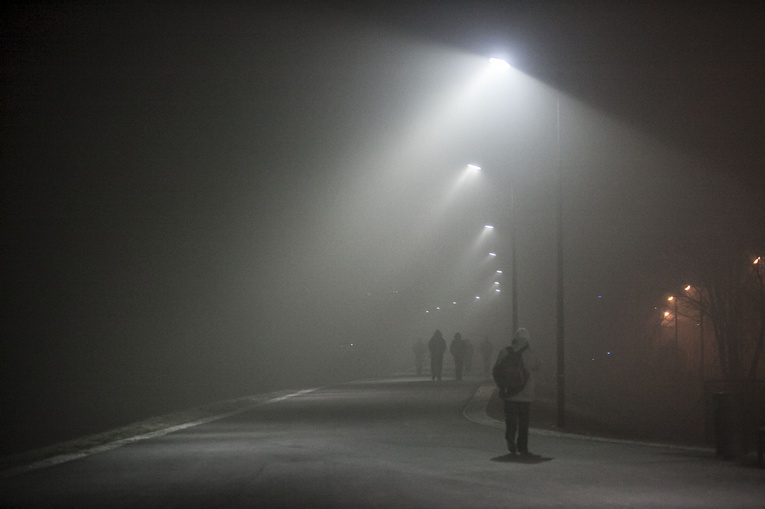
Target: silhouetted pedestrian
[419,349]
[437,347]
[514,374]
[457,348]
[469,350]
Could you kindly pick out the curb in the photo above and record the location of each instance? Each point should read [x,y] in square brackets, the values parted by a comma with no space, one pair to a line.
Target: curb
[106,442]
[475,411]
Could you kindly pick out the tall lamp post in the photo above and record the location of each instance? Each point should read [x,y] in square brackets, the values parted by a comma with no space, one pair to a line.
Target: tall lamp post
[560,327]
[560,315]
[513,266]
[502,65]
[759,266]
[673,300]
[688,289]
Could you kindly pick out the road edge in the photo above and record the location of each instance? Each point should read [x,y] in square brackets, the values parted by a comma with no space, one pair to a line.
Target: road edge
[151,428]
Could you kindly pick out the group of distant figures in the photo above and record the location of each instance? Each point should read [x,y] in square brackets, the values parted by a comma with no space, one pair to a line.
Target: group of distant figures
[514,372]
[462,352]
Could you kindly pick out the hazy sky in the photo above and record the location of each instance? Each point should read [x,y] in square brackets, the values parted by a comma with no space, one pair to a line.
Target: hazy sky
[211,190]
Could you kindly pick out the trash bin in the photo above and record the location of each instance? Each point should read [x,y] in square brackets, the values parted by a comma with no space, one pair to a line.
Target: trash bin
[723,428]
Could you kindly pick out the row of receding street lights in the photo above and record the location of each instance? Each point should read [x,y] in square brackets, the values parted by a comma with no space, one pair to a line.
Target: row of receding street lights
[513,268]
[495,285]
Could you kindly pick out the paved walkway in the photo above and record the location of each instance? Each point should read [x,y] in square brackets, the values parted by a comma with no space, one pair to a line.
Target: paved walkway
[397,441]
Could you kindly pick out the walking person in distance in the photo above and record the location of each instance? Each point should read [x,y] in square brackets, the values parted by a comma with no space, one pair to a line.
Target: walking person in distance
[457,349]
[437,347]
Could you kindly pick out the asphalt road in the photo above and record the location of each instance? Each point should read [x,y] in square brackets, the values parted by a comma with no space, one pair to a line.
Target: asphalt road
[393,442]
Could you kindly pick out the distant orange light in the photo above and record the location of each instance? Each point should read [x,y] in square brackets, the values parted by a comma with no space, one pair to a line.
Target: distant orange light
[671,298]
[666,313]
[757,260]
[688,288]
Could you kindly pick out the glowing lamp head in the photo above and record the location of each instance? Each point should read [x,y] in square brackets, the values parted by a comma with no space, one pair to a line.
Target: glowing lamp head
[499,64]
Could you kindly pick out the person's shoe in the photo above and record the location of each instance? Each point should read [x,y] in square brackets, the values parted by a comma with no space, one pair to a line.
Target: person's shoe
[527,454]
[512,448]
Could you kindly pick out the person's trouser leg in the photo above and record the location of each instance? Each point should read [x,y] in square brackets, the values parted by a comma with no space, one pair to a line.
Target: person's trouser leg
[458,367]
[524,415]
[436,363]
[511,424]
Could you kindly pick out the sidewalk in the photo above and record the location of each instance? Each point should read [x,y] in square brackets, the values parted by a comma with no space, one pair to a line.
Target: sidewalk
[486,408]
[396,441]
[156,426]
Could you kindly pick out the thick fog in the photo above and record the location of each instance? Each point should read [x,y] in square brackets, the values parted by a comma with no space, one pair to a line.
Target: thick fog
[207,202]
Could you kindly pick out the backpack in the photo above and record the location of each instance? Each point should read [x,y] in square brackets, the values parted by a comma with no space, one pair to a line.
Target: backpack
[510,374]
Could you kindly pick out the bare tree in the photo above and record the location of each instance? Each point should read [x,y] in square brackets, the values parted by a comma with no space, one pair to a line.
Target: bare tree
[726,291]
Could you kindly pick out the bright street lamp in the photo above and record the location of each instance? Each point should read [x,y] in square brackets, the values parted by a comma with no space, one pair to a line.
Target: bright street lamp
[499,64]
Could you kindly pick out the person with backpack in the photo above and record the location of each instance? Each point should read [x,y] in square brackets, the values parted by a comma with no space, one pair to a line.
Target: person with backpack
[514,374]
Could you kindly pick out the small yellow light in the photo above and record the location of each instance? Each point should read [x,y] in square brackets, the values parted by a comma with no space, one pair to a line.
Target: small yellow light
[671,298]
[688,288]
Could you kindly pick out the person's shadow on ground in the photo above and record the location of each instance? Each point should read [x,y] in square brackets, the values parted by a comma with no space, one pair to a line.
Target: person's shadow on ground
[521,458]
